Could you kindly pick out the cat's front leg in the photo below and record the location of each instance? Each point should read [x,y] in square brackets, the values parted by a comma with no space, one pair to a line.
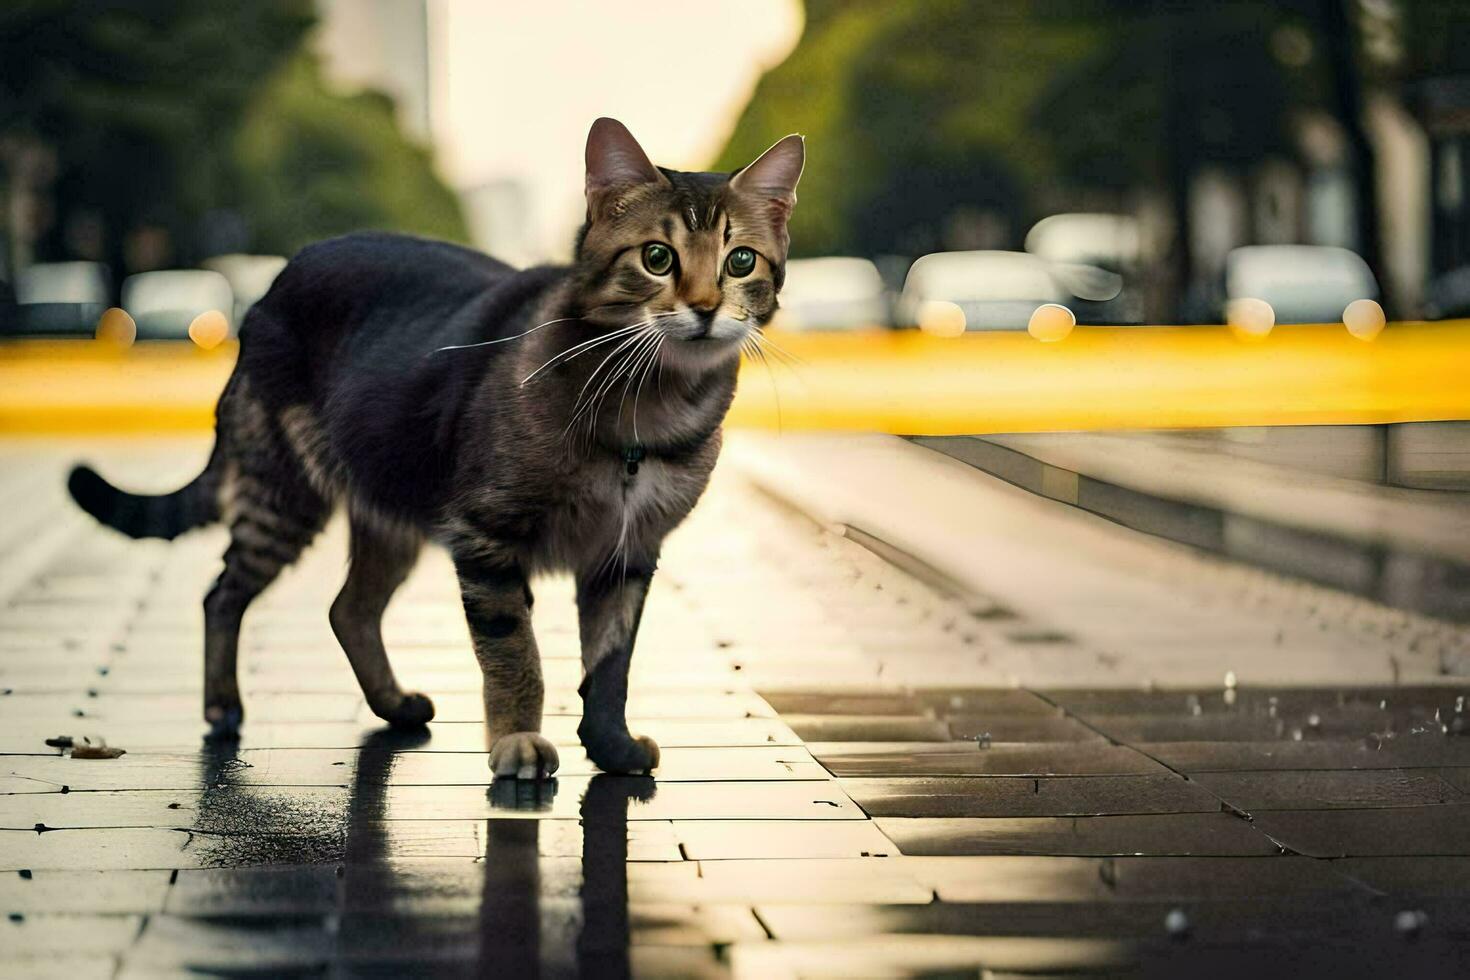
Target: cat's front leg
[497,604]
[609,605]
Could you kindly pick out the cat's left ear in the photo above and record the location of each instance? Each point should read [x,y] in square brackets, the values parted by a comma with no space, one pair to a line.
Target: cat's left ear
[774,174]
[615,163]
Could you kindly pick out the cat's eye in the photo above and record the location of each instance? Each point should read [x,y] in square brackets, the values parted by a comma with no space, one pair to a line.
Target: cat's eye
[741,262]
[658,258]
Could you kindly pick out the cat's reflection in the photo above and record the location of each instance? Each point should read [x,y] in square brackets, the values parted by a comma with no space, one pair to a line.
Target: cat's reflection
[511,903]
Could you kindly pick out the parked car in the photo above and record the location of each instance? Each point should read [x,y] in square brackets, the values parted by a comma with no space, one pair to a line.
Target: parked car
[832,293]
[1302,283]
[57,299]
[991,290]
[250,276]
[164,303]
[1097,258]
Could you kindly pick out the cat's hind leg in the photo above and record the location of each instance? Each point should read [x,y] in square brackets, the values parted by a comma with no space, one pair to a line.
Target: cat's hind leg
[382,557]
[274,514]
[497,604]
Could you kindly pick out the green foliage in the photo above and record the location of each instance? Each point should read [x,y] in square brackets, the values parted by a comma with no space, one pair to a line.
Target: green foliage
[315,164]
[171,113]
[921,112]
[909,109]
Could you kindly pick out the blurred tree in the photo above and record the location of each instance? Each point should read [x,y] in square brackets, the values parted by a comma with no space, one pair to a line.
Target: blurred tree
[153,122]
[314,164]
[136,101]
[922,111]
[916,115]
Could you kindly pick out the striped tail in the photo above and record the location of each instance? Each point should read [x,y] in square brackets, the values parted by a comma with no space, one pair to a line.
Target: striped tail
[137,515]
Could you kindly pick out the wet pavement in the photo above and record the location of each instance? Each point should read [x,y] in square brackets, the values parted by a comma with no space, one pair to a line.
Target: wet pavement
[845,790]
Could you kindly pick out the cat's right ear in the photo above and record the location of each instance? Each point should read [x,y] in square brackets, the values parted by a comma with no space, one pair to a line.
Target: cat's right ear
[615,163]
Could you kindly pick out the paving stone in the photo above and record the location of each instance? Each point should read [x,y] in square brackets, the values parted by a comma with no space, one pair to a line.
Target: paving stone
[1254,919]
[838,702]
[1322,789]
[300,890]
[101,850]
[791,839]
[1439,876]
[53,934]
[775,800]
[1149,834]
[1036,728]
[1405,753]
[46,966]
[1413,830]
[1094,758]
[1224,878]
[676,764]
[900,955]
[226,809]
[175,944]
[868,728]
[1011,796]
[83,892]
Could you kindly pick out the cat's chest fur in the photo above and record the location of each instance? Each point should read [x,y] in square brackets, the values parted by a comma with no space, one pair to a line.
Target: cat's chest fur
[615,511]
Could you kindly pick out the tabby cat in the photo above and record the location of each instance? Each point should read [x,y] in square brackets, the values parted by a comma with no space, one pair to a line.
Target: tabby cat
[556,419]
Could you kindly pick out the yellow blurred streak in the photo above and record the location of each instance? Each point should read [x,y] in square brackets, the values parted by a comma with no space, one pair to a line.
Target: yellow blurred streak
[1113,378]
[904,382]
[80,387]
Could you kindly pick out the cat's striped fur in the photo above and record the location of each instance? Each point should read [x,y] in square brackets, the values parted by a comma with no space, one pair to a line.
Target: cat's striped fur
[558,419]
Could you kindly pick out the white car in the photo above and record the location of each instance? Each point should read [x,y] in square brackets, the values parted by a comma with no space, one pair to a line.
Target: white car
[832,293]
[983,290]
[163,304]
[58,299]
[1302,283]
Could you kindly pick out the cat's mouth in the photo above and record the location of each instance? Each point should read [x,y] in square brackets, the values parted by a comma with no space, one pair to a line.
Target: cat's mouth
[700,342]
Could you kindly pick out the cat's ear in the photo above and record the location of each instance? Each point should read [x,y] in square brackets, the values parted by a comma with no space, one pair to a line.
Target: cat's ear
[615,161]
[774,174]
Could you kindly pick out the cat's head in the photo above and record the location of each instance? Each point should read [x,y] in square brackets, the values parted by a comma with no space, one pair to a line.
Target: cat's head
[699,256]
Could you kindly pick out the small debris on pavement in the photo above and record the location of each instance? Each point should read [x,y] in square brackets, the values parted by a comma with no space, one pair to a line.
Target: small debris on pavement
[89,747]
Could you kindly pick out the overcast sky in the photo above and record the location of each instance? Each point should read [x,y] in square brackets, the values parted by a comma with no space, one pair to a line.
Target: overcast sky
[514,86]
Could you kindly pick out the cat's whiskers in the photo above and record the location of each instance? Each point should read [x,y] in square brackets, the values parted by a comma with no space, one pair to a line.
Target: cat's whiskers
[656,358]
[760,354]
[625,369]
[504,340]
[642,355]
[579,407]
[578,349]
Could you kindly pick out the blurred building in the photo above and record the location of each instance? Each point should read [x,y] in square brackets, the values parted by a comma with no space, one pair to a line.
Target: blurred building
[383,45]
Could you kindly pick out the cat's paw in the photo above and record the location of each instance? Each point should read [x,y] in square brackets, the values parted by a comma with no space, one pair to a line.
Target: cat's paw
[224,719]
[628,755]
[523,755]
[413,710]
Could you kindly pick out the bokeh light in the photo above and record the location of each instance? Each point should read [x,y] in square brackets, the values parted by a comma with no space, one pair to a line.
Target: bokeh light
[116,327]
[209,329]
[941,318]
[1364,319]
[1250,318]
[1051,322]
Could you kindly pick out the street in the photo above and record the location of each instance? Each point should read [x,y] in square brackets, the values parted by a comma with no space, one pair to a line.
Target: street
[1025,740]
